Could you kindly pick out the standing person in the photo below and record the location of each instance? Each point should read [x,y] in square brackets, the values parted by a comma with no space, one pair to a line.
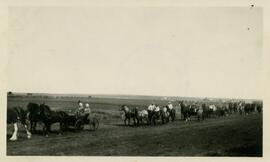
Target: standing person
[157,110]
[178,109]
[150,111]
[171,110]
[170,106]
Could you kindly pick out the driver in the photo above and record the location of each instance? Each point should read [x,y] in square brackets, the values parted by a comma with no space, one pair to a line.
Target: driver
[80,110]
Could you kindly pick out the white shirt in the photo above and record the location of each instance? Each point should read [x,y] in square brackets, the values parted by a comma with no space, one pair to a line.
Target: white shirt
[80,105]
[157,108]
[165,109]
[170,106]
[87,110]
[151,107]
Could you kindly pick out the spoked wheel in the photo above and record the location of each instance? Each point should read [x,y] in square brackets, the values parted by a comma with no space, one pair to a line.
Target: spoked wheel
[79,125]
[93,124]
[63,126]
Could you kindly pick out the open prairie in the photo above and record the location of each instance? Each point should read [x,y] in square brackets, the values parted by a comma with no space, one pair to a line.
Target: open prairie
[234,135]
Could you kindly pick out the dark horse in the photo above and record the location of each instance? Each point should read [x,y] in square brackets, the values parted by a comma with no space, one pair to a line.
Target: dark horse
[188,110]
[184,110]
[130,114]
[172,113]
[43,113]
[15,115]
[51,117]
[34,114]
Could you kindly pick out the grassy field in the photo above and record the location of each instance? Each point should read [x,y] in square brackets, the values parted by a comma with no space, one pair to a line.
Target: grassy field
[227,136]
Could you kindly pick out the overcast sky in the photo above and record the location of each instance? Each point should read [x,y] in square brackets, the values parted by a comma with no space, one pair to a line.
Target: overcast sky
[182,51]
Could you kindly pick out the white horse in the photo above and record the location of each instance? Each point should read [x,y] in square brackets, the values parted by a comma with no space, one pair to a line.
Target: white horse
[14,116]
[213,107]
[165,115]
[143,116]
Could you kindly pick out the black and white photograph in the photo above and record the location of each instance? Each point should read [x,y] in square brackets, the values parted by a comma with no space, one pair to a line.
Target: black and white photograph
[139,81]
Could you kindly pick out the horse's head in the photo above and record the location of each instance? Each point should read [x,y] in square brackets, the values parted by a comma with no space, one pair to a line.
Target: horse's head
[21,114]
[32,108]
[124,108]
[45,110]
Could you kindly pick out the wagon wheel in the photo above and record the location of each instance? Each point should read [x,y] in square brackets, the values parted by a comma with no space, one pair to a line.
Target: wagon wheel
[63,126]
[79,125]
[93,124]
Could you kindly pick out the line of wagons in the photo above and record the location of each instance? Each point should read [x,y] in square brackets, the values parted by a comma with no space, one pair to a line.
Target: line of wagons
[188,109]
[42,113]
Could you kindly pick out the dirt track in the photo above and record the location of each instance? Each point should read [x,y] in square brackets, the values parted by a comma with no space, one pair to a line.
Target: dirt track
[227,136]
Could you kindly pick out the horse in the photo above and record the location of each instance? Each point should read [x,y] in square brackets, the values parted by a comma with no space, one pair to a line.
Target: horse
[172,113]
[128,114]
[142,116]
[165,115]
[240,108]
[15,115]
[155,116]
[189,110]
[43,113]
[220,111]
[184,110]
[249,108]
[211,110]
[206,110]
[50,117]
[232,108]
[258,107]
[34,115]
[200,114]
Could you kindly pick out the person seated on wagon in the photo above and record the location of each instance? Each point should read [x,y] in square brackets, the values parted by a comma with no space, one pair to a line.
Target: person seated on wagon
[80,110]
[87,109]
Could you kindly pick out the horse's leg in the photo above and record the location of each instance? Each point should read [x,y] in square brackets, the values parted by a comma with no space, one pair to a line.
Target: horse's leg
[61,128]
[31,125]
[47,129]
[27,131]
[137,121]
[14,136]
[134,122]
[125,121]
[34,126]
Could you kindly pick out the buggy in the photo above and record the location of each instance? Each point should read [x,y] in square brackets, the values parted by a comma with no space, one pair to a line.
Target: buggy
[79,122]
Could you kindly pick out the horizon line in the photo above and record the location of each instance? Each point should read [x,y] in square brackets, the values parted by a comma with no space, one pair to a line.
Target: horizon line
[146,95]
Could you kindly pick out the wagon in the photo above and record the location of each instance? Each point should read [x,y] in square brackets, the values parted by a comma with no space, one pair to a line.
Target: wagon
[79,123]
